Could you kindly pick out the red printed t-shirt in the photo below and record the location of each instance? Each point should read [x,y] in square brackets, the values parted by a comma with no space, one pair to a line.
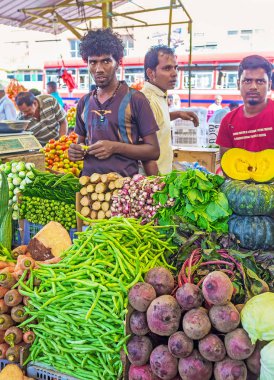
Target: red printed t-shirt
[254,133]
[127,119]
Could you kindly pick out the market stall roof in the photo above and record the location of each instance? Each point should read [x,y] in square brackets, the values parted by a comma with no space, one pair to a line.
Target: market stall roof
[56,16]
[44,15]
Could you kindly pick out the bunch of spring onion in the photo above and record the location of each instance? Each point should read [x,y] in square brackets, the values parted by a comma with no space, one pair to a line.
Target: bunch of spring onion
[19,174]
[135,199]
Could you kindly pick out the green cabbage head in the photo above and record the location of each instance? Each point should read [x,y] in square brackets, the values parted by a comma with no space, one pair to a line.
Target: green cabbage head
[257,317]
[267,362]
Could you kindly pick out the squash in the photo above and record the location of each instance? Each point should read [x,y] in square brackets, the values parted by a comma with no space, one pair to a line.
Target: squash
[253,232]
[249,198]
[244,165]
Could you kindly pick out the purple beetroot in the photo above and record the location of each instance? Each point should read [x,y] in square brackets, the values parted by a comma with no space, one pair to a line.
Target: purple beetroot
[195,367]
[161,279]
[217,288]
[163,315]
[189,296]
[180,345]
[229,369]
[163,363]
[141,295]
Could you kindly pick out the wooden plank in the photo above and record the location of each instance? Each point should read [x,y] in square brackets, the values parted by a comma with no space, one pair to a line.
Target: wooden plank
[37,158]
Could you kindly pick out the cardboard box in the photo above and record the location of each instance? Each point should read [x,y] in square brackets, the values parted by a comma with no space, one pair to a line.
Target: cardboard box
[209,158]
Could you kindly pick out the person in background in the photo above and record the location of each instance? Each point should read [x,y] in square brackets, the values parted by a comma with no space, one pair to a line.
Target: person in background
[7,109]
[218,115]
[217,105]
[35,91]
[113,118]
[52,90]
[47,119]
[250,126]
[161,75]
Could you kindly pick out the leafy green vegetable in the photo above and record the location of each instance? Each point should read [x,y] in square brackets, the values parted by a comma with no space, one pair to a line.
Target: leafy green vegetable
[197,199]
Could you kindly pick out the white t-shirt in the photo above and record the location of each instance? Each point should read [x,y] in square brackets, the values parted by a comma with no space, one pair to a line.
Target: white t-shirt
[158,102]
[214,107]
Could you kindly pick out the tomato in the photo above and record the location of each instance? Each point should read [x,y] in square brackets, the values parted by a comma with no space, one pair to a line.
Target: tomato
[51,141]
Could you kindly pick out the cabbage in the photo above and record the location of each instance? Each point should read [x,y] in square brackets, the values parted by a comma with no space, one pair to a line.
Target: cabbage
[257,317]
[267,362]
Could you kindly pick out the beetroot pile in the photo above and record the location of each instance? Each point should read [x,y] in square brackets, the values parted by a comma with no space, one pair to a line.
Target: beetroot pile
[188,333]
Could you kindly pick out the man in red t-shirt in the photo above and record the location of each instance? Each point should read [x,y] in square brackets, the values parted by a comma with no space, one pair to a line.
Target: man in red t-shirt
[250,126]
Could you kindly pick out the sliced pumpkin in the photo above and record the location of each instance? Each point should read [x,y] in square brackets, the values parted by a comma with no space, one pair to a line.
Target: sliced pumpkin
[244,165]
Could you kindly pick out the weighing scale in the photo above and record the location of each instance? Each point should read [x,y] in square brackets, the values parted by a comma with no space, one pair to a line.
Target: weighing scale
[11,143]
[19,145]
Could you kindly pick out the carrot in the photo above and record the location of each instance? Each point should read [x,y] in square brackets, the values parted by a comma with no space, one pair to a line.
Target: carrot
[3,349]
[21,250]
[6,278]
[4,308]
[27,263]
[2,336]
[13,297]
[18,313]
[17,274]
[29,337]
[3,291]
[13,335]
[4,264]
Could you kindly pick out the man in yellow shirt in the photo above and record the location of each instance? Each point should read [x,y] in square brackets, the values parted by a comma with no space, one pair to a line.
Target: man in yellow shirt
[161,75]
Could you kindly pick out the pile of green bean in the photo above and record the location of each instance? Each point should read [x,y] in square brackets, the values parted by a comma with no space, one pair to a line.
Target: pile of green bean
[81,302]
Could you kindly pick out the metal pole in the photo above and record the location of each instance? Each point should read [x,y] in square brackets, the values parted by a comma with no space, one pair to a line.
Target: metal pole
[169,23]
[189,61]
[106,15]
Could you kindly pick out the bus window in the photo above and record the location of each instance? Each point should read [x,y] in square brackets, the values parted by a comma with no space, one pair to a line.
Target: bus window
[51,75]
[199,80]
[133,73]
[228,80]
[83,79]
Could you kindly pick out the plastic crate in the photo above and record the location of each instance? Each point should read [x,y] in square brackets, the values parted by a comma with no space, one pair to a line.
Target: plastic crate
[31,229]
[16,235]
[45,372]
[4,362]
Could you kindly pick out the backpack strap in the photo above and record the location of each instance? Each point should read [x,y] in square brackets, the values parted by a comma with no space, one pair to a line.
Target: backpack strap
[86,113]
[122,115]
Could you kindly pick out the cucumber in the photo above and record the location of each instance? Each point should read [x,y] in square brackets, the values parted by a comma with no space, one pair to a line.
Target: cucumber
[4,195]
[6,230]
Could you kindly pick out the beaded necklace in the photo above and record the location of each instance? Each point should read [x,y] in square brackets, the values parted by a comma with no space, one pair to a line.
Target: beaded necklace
[109,101]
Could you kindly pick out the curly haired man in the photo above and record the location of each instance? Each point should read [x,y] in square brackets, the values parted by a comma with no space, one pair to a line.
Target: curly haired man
[116,122]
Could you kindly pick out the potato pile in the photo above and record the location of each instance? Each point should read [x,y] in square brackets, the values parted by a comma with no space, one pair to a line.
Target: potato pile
[96,194]
[187,334]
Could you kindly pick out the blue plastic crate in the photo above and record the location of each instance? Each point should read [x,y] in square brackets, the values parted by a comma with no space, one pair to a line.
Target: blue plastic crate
[16,236]
[31,229]
[45,372]
[4,362]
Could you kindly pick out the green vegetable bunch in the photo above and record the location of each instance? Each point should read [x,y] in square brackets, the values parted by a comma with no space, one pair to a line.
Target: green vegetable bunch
[41,211]
[197,199]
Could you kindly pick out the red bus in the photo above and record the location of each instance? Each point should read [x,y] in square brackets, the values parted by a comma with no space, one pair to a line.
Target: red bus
[211,75]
